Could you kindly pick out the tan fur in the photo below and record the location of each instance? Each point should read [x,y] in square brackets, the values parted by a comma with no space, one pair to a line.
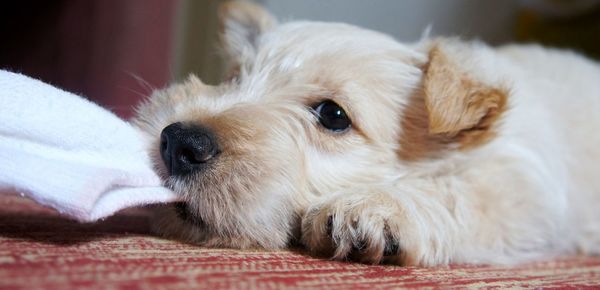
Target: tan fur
[434,169]
[453,108]
[459,105]
[416,142]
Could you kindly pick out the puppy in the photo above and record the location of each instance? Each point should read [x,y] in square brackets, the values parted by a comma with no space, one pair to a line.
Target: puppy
[363,148]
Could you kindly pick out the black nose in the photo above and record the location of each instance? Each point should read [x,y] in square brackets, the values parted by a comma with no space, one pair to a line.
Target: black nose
[185,148]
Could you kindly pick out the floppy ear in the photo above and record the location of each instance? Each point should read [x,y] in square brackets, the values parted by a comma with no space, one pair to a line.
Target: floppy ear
[242,24]
[453,110]
[458,105]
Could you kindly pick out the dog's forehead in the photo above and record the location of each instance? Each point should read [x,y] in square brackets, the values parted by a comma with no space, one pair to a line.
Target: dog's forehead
[291,45]
[300,54]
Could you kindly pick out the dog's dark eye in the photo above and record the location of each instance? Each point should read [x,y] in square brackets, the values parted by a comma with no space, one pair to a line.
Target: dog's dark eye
[332,116]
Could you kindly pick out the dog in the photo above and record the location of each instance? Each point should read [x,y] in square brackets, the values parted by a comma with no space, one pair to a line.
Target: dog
[359,147]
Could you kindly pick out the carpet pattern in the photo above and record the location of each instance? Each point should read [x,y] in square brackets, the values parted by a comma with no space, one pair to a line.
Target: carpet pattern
[40,250]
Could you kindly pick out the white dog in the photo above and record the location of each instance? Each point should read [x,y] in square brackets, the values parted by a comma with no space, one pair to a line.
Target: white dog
[363,148]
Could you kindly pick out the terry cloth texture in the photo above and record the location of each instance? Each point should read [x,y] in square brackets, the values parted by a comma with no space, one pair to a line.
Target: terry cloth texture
[70,154]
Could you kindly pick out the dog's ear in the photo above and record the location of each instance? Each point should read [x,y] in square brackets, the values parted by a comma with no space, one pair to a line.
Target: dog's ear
[459,105]
[453,109]
[242,23]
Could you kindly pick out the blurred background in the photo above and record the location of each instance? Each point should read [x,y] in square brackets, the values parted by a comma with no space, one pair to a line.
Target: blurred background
[115,52]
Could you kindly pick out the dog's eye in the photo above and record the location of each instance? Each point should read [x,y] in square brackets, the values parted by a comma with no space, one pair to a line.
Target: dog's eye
[332,116]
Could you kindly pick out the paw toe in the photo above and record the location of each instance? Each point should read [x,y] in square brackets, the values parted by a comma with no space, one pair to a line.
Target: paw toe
[392,246]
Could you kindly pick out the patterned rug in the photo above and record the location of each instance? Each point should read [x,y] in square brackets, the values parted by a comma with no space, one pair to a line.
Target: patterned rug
[40,250]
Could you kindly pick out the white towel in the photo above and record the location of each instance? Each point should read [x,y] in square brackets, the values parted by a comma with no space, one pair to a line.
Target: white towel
[70,154]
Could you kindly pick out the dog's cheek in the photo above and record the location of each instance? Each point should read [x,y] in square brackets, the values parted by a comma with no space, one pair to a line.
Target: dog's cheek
[358,164]
[253,196]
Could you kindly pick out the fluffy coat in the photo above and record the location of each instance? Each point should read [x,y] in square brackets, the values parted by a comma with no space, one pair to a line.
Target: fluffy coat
[458,152]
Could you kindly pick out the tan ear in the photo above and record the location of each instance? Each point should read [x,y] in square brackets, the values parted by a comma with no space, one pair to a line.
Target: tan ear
[242,23]
[457,103]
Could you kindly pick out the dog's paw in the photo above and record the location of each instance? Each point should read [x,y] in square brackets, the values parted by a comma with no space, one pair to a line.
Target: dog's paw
[364,227]
[409,228]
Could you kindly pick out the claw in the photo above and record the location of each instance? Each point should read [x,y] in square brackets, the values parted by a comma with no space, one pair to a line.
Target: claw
[392,246]
[359,246]
[329,226]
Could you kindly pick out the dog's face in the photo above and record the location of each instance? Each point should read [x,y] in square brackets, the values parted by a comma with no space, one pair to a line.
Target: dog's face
[311,109]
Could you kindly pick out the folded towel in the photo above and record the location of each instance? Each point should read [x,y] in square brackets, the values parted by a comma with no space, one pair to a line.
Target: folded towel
[70,154]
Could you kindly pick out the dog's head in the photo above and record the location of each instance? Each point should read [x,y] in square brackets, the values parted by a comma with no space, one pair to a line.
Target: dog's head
[309,109]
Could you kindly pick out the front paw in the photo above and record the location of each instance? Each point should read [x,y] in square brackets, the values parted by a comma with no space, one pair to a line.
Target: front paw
[379,227]
[362,227]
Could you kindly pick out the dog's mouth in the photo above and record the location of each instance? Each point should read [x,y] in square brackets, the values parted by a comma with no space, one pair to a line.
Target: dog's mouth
[183,212]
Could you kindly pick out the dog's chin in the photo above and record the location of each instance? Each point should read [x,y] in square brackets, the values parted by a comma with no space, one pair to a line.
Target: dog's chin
[176,220]
[183,212]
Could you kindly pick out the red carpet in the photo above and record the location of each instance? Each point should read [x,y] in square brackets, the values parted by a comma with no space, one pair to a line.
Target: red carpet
[40,250]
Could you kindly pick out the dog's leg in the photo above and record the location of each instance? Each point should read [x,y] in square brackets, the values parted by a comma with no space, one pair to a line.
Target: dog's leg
[374,224]
[433,221]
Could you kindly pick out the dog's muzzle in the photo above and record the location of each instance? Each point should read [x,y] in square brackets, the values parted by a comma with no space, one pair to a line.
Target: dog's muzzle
[187,148]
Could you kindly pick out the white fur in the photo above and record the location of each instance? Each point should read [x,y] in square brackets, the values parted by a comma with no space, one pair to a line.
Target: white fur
[531,191]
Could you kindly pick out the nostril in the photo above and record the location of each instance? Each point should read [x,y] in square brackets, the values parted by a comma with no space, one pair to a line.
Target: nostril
[188,156]
[164,151]
[195,156]
[163,145]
